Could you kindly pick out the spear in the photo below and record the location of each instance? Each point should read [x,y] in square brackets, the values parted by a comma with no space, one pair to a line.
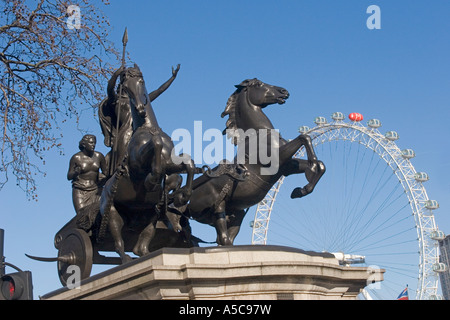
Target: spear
[124,43]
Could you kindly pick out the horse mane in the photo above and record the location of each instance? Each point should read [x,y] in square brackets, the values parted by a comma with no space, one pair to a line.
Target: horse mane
[132,72]
[231,129]
[230,110]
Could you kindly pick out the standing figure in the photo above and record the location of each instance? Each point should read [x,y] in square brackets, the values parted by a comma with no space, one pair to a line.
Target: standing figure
[87,181]
[115,117]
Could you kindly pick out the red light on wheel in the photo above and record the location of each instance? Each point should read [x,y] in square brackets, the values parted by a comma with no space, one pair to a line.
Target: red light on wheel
[355,116]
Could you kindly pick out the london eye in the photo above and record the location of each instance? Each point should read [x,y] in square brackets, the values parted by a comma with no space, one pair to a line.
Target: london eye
[371,208]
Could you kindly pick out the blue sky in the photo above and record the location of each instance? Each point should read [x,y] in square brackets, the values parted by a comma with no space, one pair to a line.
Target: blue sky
[321,51]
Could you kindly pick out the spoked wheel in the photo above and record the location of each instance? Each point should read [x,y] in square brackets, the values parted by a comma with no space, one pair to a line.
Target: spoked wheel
[75,257]
[371,207]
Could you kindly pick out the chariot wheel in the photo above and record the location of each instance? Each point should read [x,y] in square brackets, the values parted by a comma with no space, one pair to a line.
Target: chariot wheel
[75,257]
[370,207]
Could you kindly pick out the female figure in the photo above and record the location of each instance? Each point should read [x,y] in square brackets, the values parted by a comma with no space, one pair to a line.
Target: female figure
[87,181]
[115,117]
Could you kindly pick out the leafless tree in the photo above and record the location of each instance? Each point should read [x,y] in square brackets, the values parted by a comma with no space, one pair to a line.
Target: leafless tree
[54,61]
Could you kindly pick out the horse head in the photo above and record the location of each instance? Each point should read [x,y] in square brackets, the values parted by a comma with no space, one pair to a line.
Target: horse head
[262,94]
[132,82]
[244,107]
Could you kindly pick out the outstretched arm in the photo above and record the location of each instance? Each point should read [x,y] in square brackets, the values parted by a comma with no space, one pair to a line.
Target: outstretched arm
[155,94]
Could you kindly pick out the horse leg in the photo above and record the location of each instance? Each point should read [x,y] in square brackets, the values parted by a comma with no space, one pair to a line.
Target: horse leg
[313,171]
[174,220]
[189,166]
[182,195]
[313,168]
[186,231]
[115,227]
[234,224]
[291,147]
[154,178]
[173,183]
[141,247]
[221,225]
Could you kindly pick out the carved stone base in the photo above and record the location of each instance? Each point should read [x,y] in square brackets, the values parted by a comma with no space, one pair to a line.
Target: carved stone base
[239,272]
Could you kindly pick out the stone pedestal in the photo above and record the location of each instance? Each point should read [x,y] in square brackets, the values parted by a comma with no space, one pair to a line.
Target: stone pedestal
[239,272]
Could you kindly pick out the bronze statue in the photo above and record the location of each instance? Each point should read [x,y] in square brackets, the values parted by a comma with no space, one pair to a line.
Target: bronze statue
[141,204]
[86,170]
[134,199]
[115,116]
[221,200]
[135,189]
[140,161]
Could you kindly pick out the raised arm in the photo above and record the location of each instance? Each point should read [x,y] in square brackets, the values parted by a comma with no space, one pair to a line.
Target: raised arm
[155,94]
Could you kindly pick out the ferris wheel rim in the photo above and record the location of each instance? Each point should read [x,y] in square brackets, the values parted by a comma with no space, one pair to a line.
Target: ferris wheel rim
[388,150]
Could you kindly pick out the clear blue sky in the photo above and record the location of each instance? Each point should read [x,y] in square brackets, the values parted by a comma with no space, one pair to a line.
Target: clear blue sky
[321,51]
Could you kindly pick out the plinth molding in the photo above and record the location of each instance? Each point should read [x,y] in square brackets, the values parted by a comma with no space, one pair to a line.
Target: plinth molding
[232,273]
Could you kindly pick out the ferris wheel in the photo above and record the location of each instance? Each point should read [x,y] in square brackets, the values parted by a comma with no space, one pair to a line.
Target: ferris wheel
[370,207]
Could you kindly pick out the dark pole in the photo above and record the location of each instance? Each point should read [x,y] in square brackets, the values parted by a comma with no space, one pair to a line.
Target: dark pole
[114,159]
[124,44]
[2,258]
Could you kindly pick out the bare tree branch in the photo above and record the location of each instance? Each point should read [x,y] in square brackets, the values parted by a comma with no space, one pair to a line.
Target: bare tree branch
[46,71]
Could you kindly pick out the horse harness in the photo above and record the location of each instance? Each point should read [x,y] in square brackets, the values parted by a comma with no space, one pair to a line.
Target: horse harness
[235,173]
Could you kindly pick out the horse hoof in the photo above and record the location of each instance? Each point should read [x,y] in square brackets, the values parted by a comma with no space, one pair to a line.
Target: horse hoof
[152,183]
[298,193]
[140,252]
[181,197]
[150,187]
[126,259]
[179,201]
[223,241]
[174,220]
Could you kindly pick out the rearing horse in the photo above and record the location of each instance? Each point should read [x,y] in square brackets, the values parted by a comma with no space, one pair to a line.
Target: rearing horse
[134,193]
[221,200]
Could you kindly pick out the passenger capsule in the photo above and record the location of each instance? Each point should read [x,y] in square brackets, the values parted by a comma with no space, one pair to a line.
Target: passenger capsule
[374,123]
[391,135]
[320,120]
[255,225]
[303,129]
[439,267]
[355,116]
[421,176]
[431,204]
[437,235]
[338,116]
[408,154]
